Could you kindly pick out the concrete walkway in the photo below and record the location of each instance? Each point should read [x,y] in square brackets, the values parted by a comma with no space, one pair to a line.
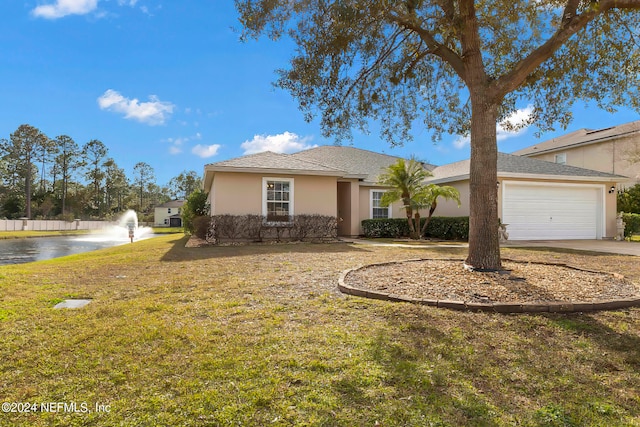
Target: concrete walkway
[606,246]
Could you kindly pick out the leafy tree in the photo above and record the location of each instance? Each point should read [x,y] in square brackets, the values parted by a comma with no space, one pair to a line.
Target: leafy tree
[459,66]
[197,205]
[629,200]
[184,184]
[94,153]
[67,161]
[144,177]
[25,143]
[45,154]
[116,186]
[406,180]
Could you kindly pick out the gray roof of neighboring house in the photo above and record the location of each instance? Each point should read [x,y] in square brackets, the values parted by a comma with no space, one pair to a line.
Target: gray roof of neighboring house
[357,162]
[276,161]
[581,137]
[171,204]
[512,164]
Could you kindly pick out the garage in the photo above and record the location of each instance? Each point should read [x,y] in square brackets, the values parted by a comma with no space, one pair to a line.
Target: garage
[552,211]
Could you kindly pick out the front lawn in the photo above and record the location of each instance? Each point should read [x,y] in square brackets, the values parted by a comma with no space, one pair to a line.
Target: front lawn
[258,335]
[29,234]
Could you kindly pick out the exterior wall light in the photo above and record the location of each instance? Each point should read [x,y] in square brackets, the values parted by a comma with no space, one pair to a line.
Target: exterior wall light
[612,189]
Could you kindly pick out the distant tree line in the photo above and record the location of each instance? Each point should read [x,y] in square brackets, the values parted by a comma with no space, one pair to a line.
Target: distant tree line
[44,177]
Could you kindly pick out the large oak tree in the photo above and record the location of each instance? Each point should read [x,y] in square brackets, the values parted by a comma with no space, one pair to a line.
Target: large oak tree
[459,66]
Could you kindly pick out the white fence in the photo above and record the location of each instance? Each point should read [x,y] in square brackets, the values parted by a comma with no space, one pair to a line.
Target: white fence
[49,225]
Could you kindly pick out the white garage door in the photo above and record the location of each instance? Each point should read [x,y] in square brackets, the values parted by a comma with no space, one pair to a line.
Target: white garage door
[552,212]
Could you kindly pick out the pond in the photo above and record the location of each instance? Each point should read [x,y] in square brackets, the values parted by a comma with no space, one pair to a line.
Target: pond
[18,251]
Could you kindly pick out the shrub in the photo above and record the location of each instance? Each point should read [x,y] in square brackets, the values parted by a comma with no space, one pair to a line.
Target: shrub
[201,226]
[256,228]
[446,228]
[631,224]
[196,205]
[385,227]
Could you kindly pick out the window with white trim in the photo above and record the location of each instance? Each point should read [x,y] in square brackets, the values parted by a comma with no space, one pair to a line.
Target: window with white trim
[378,211]
[561,159]
[277,199]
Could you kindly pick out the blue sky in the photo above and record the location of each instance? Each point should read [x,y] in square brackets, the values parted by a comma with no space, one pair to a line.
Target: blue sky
[169,83]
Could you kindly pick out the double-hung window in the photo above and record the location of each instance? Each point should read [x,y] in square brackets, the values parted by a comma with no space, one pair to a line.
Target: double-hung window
[378,211]
[277,199]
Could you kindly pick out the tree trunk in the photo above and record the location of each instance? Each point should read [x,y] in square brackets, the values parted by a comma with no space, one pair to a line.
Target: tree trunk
[27,189]
[428,220]
[484,244]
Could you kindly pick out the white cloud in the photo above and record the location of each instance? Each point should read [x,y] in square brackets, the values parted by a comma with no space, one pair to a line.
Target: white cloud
[154,112]
[514,125]
[127,2]
[177,143]
[286,142]
[63,8]
[205,151]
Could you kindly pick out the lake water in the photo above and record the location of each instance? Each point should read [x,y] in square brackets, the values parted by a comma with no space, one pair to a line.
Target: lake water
[18,251]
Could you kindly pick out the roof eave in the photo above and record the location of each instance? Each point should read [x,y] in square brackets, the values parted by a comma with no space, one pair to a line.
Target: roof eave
[548,177]
[273,171]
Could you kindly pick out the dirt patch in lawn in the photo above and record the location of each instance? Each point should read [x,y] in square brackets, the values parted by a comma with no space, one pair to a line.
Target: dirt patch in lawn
[520,282]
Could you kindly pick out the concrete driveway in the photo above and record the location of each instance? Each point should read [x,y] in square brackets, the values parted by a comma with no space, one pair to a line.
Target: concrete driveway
[607,246]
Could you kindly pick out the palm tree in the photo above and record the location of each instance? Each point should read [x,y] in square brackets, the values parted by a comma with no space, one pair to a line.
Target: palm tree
[428,198]
[407,182]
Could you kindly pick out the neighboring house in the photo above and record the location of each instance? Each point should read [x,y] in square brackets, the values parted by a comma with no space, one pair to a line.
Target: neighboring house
[615,150]
[168,214]
[539,200]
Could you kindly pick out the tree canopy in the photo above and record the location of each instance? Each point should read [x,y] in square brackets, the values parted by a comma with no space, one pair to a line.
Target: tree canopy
[453,66]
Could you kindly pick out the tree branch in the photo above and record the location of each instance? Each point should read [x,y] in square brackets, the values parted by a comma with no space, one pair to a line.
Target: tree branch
[411,22]
[571,24]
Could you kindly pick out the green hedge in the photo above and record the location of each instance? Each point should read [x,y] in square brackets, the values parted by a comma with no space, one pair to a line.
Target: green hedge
[631,224]
[440,227]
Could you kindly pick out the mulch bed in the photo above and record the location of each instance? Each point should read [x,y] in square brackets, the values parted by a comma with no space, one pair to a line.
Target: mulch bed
[521,282]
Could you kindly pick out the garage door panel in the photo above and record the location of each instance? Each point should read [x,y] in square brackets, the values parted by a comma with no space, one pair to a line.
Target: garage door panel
[550,212]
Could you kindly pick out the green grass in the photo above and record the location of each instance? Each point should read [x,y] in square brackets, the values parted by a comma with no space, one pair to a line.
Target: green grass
[29,234]
[258,335]
[167,230]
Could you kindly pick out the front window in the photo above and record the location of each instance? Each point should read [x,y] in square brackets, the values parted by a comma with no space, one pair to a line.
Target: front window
[168,210]
[278,199]
[377,211]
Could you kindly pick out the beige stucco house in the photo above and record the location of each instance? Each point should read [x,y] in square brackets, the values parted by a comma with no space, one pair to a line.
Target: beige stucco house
[328,180]
[539,200]
[615,150]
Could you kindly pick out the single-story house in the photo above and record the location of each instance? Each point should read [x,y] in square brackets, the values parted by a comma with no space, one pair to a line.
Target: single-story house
[168,214]
[614,149]
[537,199]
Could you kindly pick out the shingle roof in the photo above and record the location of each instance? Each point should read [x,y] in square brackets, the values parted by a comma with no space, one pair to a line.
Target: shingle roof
[355,161]
[271,160]
[171,204]
[581,137]
[512,164]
